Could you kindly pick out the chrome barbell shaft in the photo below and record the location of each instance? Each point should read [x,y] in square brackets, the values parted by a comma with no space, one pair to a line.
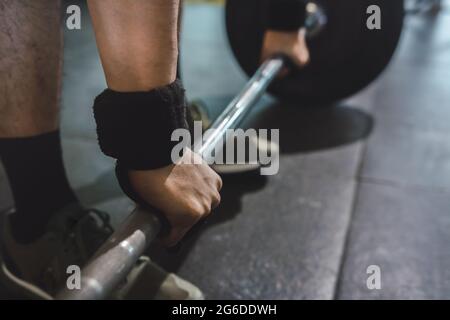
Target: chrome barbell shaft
[241,105]
[114,260]
[112,263]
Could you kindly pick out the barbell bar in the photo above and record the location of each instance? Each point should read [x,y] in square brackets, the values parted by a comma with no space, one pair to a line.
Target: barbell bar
[116,258]
[109,267]
[346,56]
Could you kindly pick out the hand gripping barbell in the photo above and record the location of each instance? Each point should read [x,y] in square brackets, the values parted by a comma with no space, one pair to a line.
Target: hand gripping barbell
[116,258]
[346,56]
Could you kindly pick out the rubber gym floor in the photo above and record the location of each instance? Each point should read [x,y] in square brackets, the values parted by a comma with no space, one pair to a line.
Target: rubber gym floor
[366,182]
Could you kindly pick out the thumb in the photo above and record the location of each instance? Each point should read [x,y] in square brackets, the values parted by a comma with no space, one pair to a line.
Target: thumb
[302,49]
[302,35]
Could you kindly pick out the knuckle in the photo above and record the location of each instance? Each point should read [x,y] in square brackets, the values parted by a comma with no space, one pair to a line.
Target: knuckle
[207,204]
[216,200]
[216,182]
[195,212]
[219,182]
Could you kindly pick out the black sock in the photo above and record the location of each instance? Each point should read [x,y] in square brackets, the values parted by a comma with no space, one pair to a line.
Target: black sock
[38,182]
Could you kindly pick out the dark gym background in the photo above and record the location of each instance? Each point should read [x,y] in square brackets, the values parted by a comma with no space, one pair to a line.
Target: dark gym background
[365,183]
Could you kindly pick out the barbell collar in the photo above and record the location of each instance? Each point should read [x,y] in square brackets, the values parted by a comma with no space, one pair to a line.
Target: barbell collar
[315,20]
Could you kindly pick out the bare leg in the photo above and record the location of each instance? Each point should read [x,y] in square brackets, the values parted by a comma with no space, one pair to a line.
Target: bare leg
[138,42]
[30,149]
[30,66]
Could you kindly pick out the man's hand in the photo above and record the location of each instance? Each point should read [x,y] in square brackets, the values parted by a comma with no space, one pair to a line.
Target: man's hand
[185,193]
[292,44]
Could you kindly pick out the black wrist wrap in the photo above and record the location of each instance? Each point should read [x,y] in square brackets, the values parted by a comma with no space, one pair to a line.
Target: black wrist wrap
[136,127]
[286,15]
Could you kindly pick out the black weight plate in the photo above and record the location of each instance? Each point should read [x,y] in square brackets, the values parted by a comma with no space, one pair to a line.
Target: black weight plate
[345,57]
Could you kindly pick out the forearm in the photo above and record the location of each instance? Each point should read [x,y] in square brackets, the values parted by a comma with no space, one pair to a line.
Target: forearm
[138,42]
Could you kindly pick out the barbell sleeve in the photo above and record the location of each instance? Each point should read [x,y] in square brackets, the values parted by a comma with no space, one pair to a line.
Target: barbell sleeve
[116,258]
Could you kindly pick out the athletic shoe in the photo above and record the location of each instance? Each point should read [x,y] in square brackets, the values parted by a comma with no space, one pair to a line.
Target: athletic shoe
[39,269]
[148,281]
